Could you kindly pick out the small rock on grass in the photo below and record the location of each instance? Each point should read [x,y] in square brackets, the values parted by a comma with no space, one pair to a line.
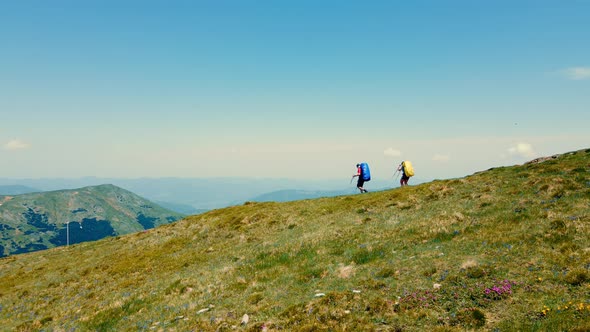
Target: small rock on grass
[245,319]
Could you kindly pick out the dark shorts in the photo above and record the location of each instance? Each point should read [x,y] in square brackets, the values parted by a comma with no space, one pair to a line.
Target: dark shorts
[404,180]
[360,182]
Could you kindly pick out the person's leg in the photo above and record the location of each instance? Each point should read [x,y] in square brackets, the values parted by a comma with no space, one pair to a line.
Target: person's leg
[404,180]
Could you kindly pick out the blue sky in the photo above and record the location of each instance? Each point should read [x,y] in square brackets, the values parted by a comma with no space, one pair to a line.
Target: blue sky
[290,89]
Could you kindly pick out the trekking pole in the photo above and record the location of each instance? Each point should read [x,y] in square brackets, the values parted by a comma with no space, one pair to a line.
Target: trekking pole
[399,168]
[351,179]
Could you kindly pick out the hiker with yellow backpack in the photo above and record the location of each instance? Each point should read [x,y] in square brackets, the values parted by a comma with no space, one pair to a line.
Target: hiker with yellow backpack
[407,171]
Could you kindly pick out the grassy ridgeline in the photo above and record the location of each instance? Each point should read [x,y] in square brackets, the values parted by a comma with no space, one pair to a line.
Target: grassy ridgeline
[505,249]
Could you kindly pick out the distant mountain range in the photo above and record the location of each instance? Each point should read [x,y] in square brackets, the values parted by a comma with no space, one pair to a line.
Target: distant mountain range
[16,190]
[295,195]
[36,221]
[185,209]
[195,195]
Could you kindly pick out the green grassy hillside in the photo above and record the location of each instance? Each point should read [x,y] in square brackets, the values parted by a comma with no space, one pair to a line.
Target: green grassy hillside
[38,221]
[507,249]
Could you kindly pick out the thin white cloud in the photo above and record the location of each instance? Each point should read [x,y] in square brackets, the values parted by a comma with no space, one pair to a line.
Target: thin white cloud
[577,73]
[523,150]
[391,152]
[16,144]
[441,157]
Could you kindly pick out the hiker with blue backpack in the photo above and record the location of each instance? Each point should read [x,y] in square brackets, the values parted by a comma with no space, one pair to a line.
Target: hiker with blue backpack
[364,174]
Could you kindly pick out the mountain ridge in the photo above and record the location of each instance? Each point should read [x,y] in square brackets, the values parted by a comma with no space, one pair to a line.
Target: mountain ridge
[41,220]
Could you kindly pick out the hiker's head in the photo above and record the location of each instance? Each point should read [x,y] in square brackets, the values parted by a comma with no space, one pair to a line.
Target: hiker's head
[358,165]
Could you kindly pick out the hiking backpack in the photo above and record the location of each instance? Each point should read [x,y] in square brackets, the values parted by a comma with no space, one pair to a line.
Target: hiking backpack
[365,172]
[408,169]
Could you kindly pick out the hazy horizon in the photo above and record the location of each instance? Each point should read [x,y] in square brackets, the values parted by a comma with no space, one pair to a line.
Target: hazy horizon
[206,193]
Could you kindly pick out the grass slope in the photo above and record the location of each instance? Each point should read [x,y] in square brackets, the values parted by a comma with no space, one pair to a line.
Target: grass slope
[501,250]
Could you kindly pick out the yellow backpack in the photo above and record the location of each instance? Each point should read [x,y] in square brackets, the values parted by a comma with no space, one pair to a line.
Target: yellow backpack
[408,169]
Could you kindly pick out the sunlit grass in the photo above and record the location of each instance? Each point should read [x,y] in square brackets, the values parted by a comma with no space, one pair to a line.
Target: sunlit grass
[505,249]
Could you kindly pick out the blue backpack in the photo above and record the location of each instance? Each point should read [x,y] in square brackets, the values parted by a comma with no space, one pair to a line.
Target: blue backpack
[365,172]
